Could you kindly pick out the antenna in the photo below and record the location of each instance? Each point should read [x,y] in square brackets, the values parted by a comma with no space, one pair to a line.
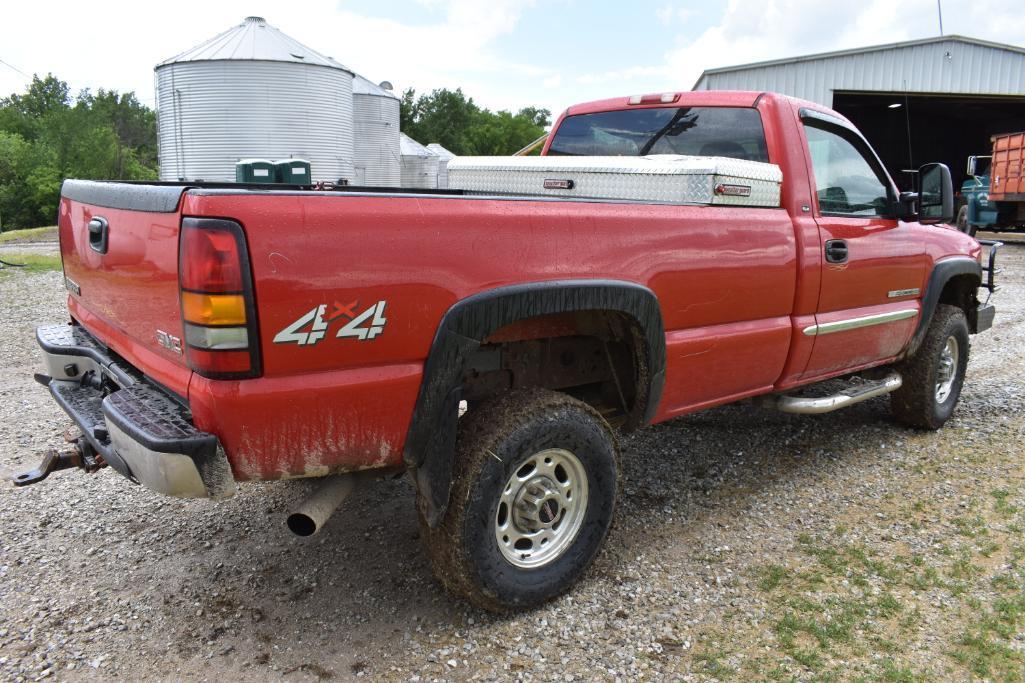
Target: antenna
[939,11]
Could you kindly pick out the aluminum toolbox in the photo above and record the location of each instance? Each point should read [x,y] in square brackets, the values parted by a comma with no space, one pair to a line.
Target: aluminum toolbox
[657,178]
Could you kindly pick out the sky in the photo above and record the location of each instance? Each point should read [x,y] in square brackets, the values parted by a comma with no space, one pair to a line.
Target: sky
[506,54]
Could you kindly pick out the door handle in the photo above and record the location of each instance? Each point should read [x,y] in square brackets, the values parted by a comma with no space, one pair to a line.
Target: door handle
[98,228]
[836,251]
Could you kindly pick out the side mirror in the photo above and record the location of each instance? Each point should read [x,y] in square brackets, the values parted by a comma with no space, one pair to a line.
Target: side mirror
[935,195]
[971,165]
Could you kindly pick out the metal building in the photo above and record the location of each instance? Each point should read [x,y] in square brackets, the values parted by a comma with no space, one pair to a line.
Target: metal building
[937,99]
[376,134]
[444,156]
[253,92]
[419,164]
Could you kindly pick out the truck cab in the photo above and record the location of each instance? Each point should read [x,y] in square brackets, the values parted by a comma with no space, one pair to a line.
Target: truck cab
[976,211]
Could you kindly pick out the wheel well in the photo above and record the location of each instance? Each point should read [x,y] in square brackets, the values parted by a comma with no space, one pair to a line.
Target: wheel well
[960,291]
[598,357]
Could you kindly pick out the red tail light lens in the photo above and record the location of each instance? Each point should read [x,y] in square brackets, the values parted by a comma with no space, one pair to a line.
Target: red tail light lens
[211,261]
[218,309]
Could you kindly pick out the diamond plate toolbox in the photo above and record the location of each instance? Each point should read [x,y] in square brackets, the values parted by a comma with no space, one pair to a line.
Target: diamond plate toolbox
[657,178]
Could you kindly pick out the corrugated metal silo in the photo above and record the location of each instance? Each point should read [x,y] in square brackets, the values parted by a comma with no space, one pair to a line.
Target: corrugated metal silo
[376,134]
[444,156]
[252,92]
[419,164]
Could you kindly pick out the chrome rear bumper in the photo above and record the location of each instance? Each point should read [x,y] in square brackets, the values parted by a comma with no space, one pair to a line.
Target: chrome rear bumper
[139,429]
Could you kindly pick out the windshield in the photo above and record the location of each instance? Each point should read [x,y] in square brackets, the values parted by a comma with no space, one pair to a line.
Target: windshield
[733,132]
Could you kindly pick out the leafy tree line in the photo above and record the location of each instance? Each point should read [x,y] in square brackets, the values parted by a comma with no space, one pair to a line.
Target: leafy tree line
[461,126]
[47,135]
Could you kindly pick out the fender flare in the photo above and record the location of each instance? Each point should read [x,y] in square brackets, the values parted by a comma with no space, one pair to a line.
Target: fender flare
[942,273]
[430,441]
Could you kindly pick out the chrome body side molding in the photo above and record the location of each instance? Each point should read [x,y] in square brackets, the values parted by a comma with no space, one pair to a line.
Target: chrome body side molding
[863,321]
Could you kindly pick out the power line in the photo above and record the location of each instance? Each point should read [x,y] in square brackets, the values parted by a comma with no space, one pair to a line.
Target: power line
[11,66]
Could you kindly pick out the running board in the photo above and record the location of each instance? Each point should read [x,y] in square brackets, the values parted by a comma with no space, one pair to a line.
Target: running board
[807,405]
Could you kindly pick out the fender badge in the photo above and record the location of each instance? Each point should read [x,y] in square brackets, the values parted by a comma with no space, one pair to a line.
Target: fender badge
[72,286]
[897,293]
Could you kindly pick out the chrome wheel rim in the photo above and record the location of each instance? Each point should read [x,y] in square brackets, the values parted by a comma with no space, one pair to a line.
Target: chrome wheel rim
[541,509]
[946,373]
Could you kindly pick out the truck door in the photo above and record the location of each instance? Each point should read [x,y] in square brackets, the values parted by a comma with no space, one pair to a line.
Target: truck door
[873,266]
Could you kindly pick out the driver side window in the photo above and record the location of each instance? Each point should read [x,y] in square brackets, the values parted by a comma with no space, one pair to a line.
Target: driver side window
[845,182]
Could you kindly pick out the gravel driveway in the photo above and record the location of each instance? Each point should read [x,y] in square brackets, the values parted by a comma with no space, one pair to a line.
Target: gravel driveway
[748,543]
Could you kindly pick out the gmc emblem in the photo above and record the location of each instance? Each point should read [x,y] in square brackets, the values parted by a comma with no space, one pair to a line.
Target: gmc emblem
[169,342]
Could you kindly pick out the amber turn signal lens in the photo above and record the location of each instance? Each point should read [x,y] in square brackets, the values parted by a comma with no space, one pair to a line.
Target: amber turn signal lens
[214,309]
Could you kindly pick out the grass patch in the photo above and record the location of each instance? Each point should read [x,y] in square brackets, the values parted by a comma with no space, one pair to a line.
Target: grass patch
[1003,505]
[770,576]
[46,234]
[983,647]
[33,263]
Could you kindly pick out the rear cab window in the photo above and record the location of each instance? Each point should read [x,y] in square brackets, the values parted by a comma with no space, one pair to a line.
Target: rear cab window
[734,132]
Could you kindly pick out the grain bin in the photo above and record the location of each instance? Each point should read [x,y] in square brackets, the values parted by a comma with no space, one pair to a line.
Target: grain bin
[376,134]
[444,156]
[252,92]
[419,164]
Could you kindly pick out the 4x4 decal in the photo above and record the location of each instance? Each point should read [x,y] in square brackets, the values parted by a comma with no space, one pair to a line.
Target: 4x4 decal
[363,326]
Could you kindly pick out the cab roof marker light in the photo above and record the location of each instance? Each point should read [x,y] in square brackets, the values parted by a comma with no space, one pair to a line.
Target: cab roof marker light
[656,98]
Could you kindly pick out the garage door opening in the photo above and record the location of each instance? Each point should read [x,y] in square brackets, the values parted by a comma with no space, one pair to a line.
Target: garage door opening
[943,128]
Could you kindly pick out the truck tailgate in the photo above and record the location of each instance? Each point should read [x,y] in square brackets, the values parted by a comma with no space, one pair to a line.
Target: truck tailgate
[119,244]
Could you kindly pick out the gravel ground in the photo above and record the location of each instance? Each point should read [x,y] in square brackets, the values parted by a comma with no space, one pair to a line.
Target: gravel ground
[748,544]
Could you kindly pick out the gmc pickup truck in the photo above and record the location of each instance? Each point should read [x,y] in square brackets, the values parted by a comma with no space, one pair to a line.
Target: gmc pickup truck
[490,344]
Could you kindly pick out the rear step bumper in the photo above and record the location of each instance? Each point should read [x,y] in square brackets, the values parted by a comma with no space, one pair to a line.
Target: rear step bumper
[138,429]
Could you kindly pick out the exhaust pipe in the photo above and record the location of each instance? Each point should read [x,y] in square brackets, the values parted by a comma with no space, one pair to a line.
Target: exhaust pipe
[313,513]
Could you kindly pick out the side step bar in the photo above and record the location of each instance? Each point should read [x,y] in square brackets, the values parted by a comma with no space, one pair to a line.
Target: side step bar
[809,405]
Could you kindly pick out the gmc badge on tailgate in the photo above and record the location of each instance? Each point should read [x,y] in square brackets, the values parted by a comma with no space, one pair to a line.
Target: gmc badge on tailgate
[169,342]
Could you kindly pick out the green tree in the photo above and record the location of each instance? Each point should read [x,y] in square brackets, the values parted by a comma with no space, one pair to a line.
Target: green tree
[456,122]
[46,136]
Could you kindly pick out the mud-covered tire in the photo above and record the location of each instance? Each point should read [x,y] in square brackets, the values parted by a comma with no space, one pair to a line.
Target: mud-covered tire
[920,402]
[494,442]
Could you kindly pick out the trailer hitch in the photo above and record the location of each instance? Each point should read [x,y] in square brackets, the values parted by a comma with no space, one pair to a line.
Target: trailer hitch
[82,455]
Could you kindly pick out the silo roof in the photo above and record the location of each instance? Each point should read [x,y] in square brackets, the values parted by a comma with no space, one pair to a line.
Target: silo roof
[362,86]
[441,151]
[411,148]
[255,40]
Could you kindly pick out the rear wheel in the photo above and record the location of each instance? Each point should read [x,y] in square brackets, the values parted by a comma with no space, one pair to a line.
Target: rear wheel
[934,376]
[532,500]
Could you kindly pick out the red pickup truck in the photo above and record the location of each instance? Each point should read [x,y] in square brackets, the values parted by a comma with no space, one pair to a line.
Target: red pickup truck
[489,345]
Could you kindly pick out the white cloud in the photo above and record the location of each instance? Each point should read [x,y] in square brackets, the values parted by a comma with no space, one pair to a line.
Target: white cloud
[552,81]
[117,43]
[668,14]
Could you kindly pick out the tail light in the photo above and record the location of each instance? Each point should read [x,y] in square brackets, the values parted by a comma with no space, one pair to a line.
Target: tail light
[218,310]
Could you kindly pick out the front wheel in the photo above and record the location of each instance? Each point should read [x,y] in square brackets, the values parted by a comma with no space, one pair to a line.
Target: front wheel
[933,377]
[532,499]
[962,222]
